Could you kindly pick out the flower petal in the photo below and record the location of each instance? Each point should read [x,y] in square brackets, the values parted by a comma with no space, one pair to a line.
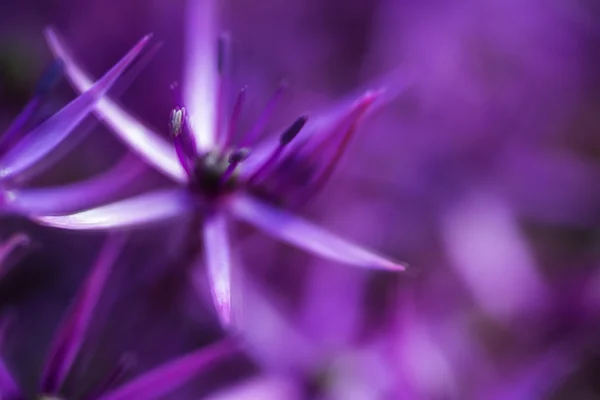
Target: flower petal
[73,328]
[217,252]
[200,73]
[492,258]
[301,233]
[140,139]
[57,128]
[77,196]
[8,386]
[163,380]
[9,246]
[140,210]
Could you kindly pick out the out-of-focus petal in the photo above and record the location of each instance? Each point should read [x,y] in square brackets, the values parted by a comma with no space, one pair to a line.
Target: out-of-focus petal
[140,139]
[57,128]
[264,388]
[217,255]
[9,246]
[301,233]
[73,328]
[200,73]
[140,210]
[8,387]
[163,380]
[77,196]
[491,257]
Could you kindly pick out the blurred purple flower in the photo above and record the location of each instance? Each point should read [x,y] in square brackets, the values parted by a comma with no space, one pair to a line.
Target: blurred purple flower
[71,335]
[220,178]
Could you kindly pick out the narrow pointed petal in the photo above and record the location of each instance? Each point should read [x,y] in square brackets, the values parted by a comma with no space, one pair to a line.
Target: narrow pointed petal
[74,327]
[48,80]
[43,139]
[77,196]
[145,142]
[200,72]
[217,252]
[163,380]
[9,246]
[133,212]
[301,233]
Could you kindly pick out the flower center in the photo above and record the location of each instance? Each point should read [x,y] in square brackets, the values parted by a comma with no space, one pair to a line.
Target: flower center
[215,174]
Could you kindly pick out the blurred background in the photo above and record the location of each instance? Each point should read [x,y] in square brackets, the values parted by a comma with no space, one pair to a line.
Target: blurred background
[483,175]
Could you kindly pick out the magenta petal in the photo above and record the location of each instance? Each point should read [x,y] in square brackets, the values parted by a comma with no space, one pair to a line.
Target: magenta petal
[77,196]
[217,251]
[302,234]
[200,73]
[57,128]
[136,211]
[163,380]
[140,139]
[73,328]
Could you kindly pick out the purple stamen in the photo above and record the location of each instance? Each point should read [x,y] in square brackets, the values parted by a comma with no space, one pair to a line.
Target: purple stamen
[286,137]
[223,61]
[262,121]
[234,160]
[185,147]
[235,116]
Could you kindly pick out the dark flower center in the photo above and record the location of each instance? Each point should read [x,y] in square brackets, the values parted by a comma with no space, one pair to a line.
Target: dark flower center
[215,174]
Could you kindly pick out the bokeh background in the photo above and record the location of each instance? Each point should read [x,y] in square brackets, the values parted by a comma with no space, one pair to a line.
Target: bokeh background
[483,175]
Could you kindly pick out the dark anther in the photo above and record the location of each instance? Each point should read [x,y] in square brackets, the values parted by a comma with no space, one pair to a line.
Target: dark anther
[291,132]
[239,155]
[223,52]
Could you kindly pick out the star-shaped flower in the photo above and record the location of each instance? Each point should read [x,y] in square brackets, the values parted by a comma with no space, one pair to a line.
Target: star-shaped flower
[221,178]
[70,337]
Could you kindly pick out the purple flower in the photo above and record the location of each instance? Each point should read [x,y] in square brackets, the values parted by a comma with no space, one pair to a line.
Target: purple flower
[218,177]
[71,335]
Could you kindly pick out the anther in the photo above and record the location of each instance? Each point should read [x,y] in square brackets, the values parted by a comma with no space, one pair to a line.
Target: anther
[293,130]
[223,52]
[177,119]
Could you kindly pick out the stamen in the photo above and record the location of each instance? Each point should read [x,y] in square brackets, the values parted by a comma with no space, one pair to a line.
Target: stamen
[50,77]
[126,364]
[344,131]
[185,147]
[263,119]
[286,137]
[235,116]
[235,159]
[223,61]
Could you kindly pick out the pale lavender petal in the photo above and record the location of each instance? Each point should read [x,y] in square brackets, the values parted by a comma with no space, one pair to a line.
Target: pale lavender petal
[74,327]
[217,254]
[490,255]
[163,380]
[57,128]
[77,196]
[301,233]
[264,388]
[200,73]
[142,140]
[136,211]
